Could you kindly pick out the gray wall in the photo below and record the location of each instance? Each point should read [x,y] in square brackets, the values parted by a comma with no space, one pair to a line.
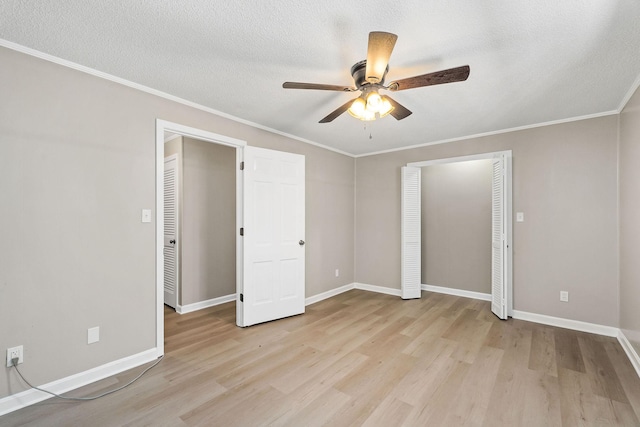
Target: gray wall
[629,221]
[565,182]
[456,225]
[208,264]
[78,166]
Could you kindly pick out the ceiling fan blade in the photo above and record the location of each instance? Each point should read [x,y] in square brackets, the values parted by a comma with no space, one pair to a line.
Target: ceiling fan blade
[317,86]
[451,75]
[335,113]
[399,111]
[378,53]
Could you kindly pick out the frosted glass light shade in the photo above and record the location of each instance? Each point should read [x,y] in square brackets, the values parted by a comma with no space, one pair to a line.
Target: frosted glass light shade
[358,108]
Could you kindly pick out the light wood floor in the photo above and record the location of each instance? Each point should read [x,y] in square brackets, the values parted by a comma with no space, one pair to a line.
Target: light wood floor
[362,358]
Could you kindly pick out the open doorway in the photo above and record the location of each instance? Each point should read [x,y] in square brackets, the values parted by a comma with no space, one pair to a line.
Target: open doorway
[201,138]
[270,203]
[456,227]
[199,223]
[499,245]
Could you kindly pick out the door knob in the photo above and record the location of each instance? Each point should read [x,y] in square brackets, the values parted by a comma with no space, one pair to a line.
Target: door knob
[173,242]
[301,242]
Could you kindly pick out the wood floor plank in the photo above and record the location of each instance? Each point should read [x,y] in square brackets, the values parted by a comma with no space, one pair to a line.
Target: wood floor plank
[368,386]
[433,411]
[422,343]
[511,381]
[543,351]
[470,334]
[316,412]
[575,397]
[568,354]
[541,402]
[599,368]
[315,384]
[626,375]
[471,405]
[431,369]
[389,413]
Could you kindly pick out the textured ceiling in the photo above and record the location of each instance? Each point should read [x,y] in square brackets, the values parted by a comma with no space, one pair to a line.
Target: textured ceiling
[531,62]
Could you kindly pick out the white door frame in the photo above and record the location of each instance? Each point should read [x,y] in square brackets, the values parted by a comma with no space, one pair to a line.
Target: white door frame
[509,223]
[163,126]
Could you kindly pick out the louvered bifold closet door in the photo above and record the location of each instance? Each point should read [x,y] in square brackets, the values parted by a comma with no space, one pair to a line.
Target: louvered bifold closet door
[498,241]
[411,279]
[170,231]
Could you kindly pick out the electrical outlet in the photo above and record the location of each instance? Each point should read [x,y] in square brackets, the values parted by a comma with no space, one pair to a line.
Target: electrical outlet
[564,296]
[12,353]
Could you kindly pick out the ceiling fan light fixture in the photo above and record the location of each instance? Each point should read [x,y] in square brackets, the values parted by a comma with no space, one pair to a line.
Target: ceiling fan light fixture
[385,107]
[374,101]
[370,107]
[368,116]
[358,108]
[360,111]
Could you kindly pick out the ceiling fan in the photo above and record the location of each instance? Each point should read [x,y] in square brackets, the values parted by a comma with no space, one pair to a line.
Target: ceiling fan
[369,76]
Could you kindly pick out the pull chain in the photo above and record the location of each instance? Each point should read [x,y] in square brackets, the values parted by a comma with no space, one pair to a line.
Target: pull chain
[365,128]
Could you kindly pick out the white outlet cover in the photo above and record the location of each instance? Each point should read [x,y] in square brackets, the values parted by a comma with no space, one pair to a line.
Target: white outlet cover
[519,216]
[93,335]
[564,296]
[11,350]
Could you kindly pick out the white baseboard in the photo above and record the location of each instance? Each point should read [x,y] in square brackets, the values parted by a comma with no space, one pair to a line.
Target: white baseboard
[576,325]
[183,309]
[378,289]
[31,396]
[328,294]
[630,351]
[457,292]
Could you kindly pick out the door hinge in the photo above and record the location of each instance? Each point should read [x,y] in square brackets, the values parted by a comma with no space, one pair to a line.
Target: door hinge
[241,166]
[241,298]
[242,231]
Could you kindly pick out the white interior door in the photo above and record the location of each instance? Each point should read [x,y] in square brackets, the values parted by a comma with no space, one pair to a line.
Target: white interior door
[498,239]
[170,230]
[273,227]
[411,280]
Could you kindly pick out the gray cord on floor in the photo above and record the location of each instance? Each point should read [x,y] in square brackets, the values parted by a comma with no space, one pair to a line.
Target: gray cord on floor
[59,396]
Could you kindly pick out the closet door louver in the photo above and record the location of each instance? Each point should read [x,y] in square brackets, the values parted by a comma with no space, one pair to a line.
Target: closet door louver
[170,231]
[498,242]
[410,233]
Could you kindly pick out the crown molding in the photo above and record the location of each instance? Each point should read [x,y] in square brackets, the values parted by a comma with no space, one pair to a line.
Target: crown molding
[106,76]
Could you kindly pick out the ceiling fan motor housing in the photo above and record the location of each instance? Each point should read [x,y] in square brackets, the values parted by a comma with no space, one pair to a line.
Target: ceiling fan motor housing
[358,71]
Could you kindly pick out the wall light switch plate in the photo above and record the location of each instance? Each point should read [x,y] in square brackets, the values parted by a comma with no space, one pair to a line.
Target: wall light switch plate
[520,217]
[146,215]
